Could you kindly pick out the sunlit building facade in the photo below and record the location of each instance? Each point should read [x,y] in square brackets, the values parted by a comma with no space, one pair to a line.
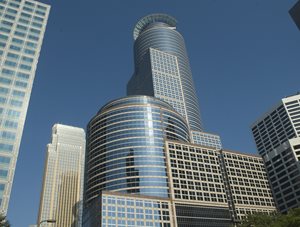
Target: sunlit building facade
[246,184]
[22,28]
[62,191]
[162,67]
[125,147]
[277,137]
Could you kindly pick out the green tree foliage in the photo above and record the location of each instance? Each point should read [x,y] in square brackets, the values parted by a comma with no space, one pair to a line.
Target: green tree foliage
[3,221]
[292,219]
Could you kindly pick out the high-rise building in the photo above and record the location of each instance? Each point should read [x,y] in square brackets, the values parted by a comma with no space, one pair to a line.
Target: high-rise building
[62,191]
[127,153]
[162,67]
[277,137]
[207,187]
[22,28]
[295,14]
[148,162]
[162,70]
[125,147]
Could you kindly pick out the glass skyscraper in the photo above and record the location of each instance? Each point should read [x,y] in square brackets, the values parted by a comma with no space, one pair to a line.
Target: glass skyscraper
[61,197]
[125,147]
[22,28]
[162,67]
[148,162]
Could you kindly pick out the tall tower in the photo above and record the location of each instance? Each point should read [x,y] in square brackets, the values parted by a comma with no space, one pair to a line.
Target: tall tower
[61,197]
[277,137]
[22,28]
[162,67]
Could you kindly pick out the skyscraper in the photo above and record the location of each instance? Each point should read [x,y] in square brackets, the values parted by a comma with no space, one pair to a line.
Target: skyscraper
[22,28]
[62,191]
[162,70]
[162,67]
[143,167]
[277,137]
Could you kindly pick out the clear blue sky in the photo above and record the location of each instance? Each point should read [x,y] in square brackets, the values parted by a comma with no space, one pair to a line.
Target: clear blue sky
[244,55]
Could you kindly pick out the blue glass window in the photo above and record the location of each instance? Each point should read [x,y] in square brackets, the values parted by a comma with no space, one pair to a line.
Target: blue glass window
[18,41]
[20,84]
[31,52]
[18,93]
[4,90]
[2,100]
[25,67]
[8,135]
[17,103]
[13,113]
[6,147]
[4,160]
[23,21]
[10,63]
[11,124]
[11,55]
[27,59]
[6,30]
[13,47]
[5,80]
[3,173]
[8,72]
[22,75]
[37,25]
[4,37]
[2,187]
[26,15]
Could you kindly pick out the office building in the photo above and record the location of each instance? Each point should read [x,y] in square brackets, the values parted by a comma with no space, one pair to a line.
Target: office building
[22,27]
[162,70]
[126,153]
[148,162]
[62,191]
[246,183]
[295,14]
[162,67]
[276,135]
[125,142]
[207,187]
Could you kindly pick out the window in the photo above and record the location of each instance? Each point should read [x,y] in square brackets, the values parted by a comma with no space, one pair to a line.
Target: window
[8,72]
[4,90]
[3,173]
[20,84]
[5,80]
[4,160]
[6,147]
[18,93]
[11,124]
[17,103]
[8,135]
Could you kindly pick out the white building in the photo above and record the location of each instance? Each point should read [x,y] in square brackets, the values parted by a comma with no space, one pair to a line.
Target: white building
[61,196]
[22,28]
[277,137]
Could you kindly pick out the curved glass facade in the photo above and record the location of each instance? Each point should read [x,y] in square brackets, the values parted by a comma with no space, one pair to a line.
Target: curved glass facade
[125,146]
[158,31]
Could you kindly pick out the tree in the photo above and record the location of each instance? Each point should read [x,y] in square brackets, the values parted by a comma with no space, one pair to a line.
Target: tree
[291,219]
[259,220]
[3,221]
